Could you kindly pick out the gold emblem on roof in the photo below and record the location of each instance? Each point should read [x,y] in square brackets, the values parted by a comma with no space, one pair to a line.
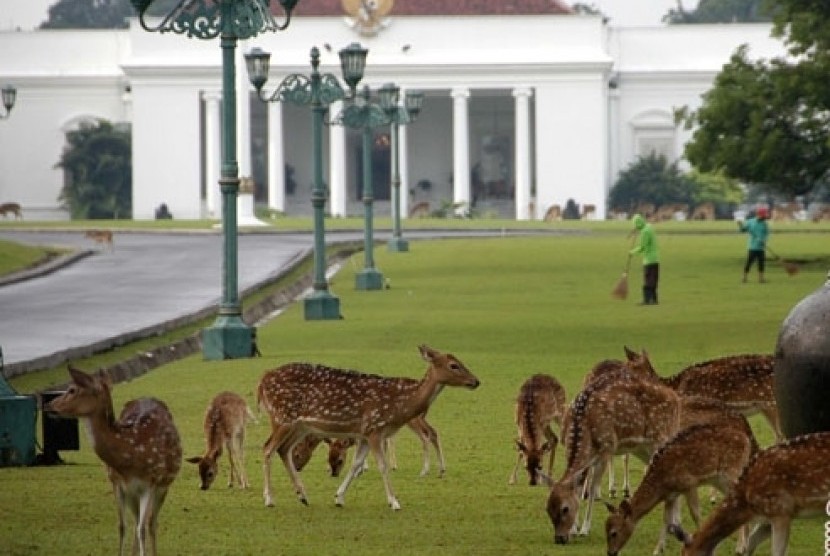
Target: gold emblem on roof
[368,16]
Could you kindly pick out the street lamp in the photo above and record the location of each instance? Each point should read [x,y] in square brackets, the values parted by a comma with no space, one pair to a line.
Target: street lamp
[318,91]
[9,95]
[389,95]
[365,115]
[230,20]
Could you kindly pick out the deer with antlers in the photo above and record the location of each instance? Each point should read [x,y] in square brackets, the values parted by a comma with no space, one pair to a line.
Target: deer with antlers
[141,450]
[224,426]
[787,481]
[541,401]
[714,452]
[302,399]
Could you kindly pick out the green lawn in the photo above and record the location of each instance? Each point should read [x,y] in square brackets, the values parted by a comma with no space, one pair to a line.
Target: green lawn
[508,308]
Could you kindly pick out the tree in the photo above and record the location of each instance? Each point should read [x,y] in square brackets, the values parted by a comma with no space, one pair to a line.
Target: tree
[89,14]
[759,124]
[652,179]
[98,14]
[721,11]
[98,166]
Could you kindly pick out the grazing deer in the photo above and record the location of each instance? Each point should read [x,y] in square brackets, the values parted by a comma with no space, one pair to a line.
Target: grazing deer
[101,237]
[141,450]
[224,426]
[714,453]
[541,401]
[304,399]
[336,457]
[623,413]
[419,210]
[12,208]
[787,481]
[743,382]
[704,211]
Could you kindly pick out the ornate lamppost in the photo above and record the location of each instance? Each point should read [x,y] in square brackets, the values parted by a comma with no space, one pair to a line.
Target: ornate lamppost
[9,94]
[318,91]
[398,116]
[365,115]
[229,337]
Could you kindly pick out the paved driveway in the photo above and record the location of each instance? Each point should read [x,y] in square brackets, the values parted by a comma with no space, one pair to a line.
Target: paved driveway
[147,279]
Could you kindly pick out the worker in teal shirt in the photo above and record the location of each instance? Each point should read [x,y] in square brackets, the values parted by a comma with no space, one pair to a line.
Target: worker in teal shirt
[758,231]
[647,247]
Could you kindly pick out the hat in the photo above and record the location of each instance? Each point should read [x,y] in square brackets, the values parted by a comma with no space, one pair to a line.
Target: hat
[639,221]
[762,212]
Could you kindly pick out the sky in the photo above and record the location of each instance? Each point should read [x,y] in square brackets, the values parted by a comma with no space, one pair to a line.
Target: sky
[28,14]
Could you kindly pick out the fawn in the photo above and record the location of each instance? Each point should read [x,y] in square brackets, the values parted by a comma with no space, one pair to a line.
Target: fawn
[225,421]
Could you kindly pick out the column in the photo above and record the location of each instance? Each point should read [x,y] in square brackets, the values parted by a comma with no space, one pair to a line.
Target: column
[523,177]
[461,149]
[213,154]
[338,194]
[403,168]
[276,158]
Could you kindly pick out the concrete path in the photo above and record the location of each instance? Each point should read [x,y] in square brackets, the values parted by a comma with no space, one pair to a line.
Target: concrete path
[147,279]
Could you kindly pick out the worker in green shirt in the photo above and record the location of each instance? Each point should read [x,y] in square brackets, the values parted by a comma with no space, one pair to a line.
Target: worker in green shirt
[647,247]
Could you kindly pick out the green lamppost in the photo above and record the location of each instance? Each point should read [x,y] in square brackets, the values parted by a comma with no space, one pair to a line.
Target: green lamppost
[318,91]
[229,337]
[9,96]
[398,115]
[364,115]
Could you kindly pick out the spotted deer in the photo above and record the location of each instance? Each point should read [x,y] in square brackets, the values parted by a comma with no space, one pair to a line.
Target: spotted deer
[541,401]
[744,382]
[224,426]
[787,481]
[302,399]
[141,450]
[714,452]
[623,413]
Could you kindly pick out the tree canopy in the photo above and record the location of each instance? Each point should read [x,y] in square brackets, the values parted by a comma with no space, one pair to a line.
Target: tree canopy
[98,164]
[720,11]
[767,122]
[652,179]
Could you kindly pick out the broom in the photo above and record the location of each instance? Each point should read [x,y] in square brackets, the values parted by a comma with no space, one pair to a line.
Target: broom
[790,267]
[620,291]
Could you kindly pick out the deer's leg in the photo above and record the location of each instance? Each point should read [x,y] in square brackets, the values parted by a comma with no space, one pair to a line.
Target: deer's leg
[612,482]
[512,479]
[671,516]
[376,444]
[436,441]
[693,503]
[285,450]
[780,535]
[277,436]
[626,480]
[233,473]
[159,497]
[389,449]
[759,534]
[553,441]
[770,413]
[597,471]
[240,459]
[120,503]
[423,436]
[356,469]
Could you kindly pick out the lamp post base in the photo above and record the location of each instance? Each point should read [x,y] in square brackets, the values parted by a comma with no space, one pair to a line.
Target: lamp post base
[397,245]
[322,306]
[228,338]
[369,279]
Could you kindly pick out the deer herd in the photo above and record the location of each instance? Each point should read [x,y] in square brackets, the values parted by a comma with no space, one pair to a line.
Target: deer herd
[689,430]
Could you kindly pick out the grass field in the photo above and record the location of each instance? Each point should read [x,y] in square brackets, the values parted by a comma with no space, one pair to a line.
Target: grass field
[507,307]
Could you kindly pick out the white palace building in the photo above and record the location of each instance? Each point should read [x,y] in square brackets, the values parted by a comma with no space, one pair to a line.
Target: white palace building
[527,105]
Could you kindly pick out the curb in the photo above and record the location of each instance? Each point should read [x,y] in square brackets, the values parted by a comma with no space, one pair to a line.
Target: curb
[57,263]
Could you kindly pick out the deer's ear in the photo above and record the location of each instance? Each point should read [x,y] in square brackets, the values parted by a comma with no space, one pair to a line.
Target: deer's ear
[79,377]
[427,352]
[195,459]
[629,353]
[625,507]
[546,480]
[105,379]
[610,507]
